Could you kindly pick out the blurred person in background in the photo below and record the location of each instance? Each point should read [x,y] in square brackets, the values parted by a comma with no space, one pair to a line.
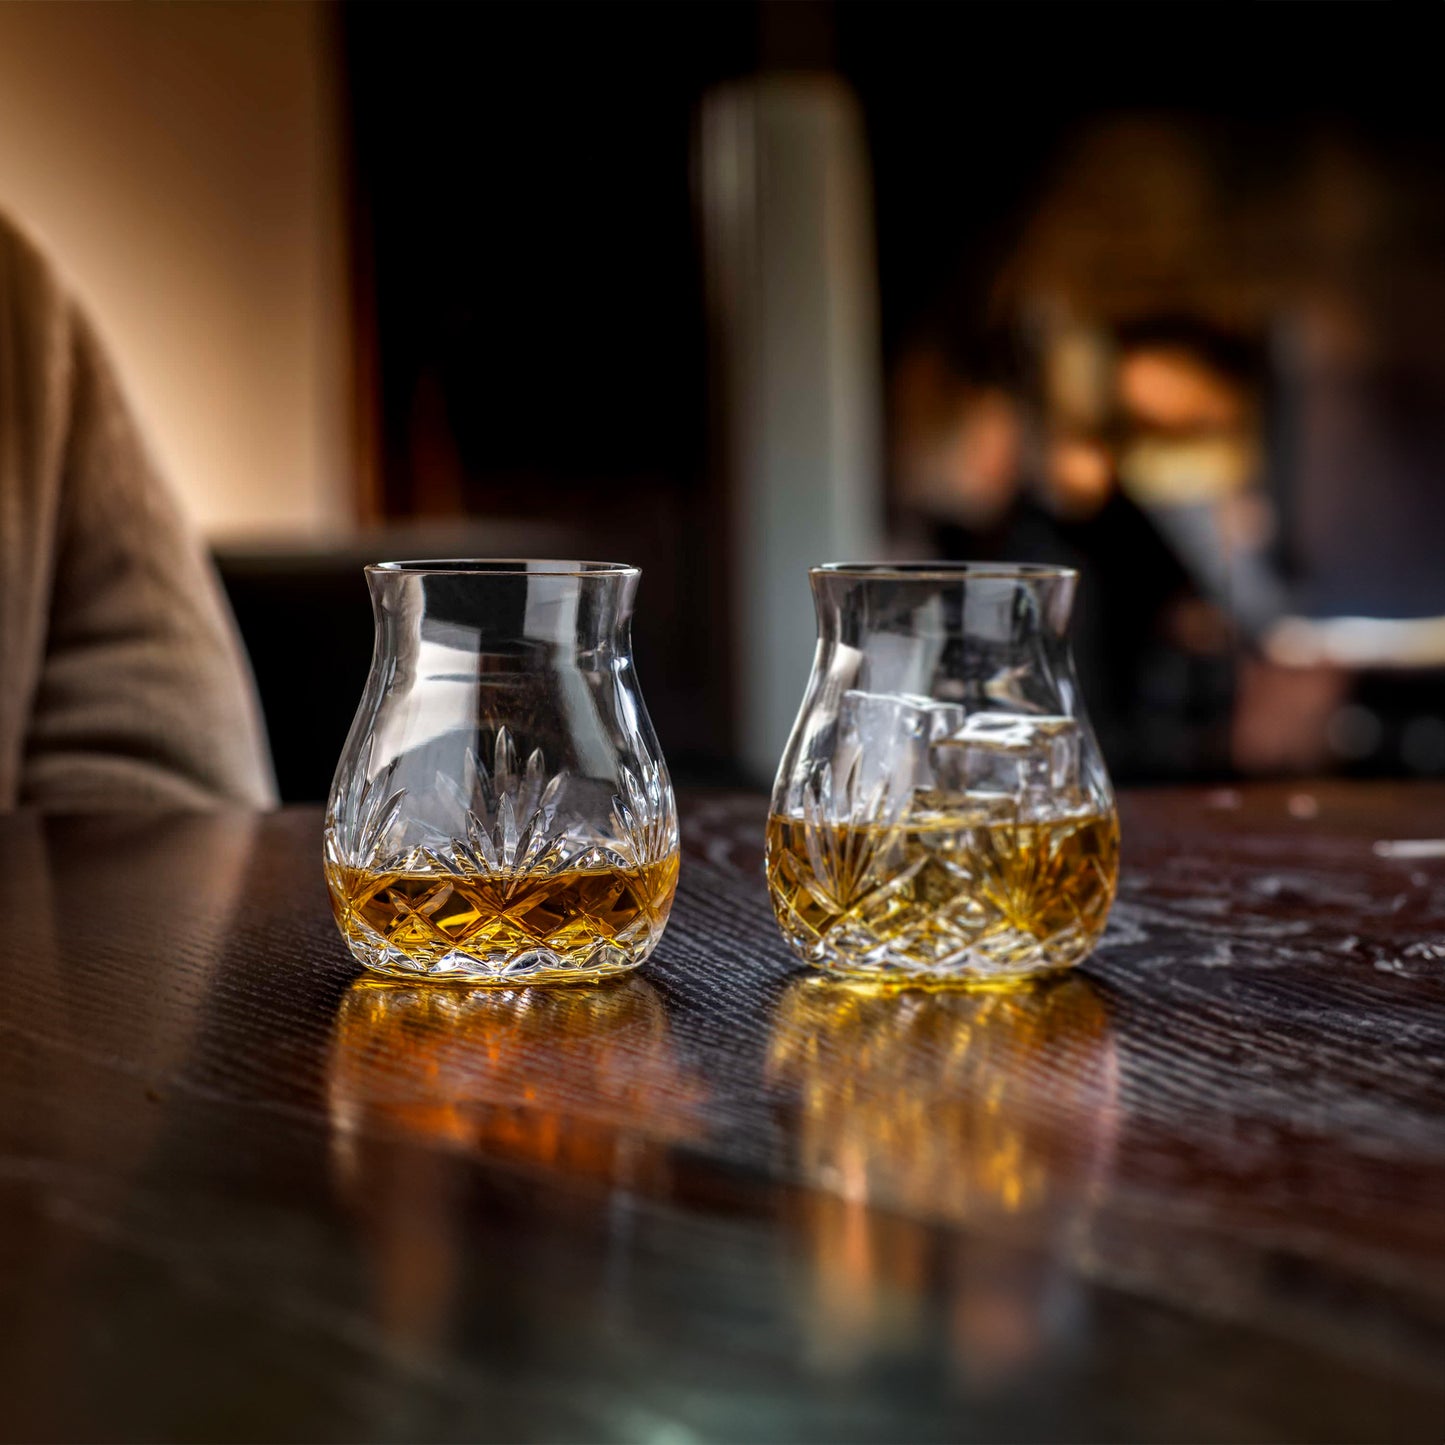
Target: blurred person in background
[977,453]
[125,684]
[1219,391]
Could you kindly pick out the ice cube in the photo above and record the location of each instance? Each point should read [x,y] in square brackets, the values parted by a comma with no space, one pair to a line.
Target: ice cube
[1032,759]
[881,757]
[881,753]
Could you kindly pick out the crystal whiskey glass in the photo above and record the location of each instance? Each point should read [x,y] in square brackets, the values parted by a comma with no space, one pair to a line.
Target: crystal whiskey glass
[942,813]
[501,813]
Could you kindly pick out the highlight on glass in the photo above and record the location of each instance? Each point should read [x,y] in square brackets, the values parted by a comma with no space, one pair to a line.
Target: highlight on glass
[501,813]
[942,813]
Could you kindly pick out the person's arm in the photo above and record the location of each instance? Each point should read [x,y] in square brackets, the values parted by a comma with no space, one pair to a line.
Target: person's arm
[145,698]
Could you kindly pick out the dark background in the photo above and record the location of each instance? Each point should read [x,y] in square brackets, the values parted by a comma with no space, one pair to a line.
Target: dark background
[532,333]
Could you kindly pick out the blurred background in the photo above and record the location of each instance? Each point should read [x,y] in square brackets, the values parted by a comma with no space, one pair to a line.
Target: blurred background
[727,290]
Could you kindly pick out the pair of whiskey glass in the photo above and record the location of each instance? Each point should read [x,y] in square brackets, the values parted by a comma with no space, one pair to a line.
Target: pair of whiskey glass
[502,813]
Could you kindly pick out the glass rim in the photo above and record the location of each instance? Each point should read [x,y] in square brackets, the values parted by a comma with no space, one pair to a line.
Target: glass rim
[946,571]
[503,567]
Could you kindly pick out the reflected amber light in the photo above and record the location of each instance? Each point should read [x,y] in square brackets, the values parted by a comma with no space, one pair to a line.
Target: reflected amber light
[579,1082]
[996,1110]
[948,1104]
[570,1078]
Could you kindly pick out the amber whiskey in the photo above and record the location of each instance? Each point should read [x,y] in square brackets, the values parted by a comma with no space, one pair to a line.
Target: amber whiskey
[573,924]
[943,895]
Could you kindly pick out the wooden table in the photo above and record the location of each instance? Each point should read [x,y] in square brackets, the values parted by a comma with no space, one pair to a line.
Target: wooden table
[1196,1191]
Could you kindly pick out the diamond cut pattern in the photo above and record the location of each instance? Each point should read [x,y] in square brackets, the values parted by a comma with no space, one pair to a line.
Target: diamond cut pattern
[967,899]
[513,886]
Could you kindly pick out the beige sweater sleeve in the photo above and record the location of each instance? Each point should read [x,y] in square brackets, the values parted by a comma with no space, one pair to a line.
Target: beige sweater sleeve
[134,689]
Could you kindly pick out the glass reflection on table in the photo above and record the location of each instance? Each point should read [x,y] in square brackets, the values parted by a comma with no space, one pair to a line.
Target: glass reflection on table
[993,1114]
[581,1084]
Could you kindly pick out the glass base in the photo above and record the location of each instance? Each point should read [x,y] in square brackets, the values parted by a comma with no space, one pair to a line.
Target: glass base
[530,978]
[1004,961]
[531,966]
[888,979]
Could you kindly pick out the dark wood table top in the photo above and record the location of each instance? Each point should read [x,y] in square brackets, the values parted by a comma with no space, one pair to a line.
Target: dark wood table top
[1194,1192]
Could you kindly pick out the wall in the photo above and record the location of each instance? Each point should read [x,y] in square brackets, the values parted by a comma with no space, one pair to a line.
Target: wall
[182,165]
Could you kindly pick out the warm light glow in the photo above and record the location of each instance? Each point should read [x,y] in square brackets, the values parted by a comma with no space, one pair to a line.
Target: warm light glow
[1173,390]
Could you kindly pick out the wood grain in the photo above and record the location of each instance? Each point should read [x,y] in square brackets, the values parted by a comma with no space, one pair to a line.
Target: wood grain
[1192,1192]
